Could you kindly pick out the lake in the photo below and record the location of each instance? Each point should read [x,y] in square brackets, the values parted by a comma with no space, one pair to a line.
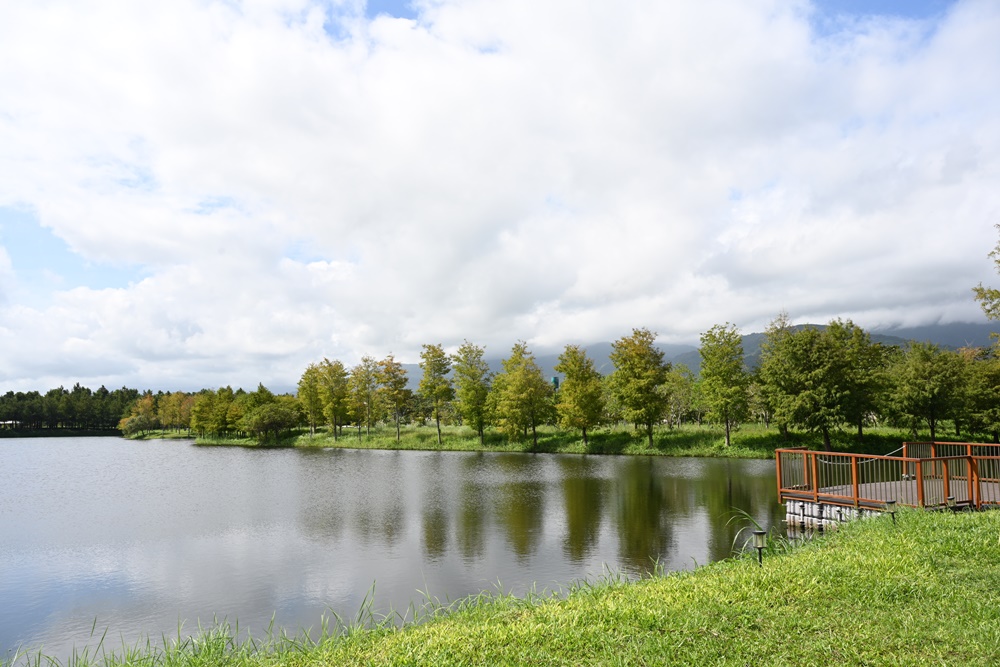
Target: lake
[143,538]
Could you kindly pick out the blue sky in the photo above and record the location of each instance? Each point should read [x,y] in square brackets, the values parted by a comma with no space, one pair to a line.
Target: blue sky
[44,263]
[200,193]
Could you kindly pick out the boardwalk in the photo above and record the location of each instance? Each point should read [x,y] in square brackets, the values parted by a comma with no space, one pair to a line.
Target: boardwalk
[927,475]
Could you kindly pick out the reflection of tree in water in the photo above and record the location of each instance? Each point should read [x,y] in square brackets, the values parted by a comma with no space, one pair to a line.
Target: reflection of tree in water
[644,531]
[470,526]
[519,512]
[725,487]
[583,494]
[470,529]
[435,520]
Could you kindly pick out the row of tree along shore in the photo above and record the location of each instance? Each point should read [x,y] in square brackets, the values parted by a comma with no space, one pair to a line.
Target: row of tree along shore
[814,379]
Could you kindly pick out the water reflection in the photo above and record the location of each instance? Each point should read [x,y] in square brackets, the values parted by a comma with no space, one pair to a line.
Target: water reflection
[584,496]
[162,532]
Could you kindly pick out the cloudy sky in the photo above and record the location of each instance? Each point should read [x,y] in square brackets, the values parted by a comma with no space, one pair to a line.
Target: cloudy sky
[205,192]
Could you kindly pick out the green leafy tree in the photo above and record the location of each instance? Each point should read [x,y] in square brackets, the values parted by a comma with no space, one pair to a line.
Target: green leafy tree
[927,385]
[989,297]
[580,399]
[520,398]
[639,382]
[269,421]
[435,386]
[684,396]
[866,372]
[724,378]
[310,395]
[392,391]
[811,388]
[362,385]
[983,395]
[774,368]
[472,380]
[335,394]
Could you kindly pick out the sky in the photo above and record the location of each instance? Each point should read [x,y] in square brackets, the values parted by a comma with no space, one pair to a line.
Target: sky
[198,193]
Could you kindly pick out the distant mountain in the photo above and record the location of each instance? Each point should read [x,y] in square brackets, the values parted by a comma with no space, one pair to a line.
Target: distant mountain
[952,336]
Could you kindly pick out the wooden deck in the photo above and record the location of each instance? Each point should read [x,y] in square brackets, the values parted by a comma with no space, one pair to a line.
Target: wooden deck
[827,487]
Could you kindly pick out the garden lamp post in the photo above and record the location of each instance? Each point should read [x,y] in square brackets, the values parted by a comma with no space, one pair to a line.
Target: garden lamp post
[759,542]
[890,507]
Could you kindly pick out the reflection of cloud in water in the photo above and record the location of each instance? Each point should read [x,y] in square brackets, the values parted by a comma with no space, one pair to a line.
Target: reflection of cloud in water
[244,535]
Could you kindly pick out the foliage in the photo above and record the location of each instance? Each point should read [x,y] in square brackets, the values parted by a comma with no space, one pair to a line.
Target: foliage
[472,380]
[820,379]
[580,399]
[335,394]
[392,391]
[724,378]
[639,381]
[520,398]
[362,384]
[927,385]
[435,386]
[989,297]
[310,395]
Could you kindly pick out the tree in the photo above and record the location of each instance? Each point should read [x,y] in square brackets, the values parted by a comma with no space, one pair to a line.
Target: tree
[772,371]
[435,387]
[808,378]
[520,398]
[927,384]
[580,399]
[866,378]
[334,392]
[362,384]
[989,297]
[310,395]
[638,383]
[472,380]
[983,396]
[269,420]
[393,392]
[724,378]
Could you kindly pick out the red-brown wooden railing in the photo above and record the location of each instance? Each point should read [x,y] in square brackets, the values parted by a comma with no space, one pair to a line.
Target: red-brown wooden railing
[927,475]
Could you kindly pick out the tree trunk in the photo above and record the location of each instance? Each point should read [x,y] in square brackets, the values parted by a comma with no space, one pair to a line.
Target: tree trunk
[437,418]
[727,433]
[585,446]
[534,436]
[826,439]
[397,427]
[861,431]
[649,433]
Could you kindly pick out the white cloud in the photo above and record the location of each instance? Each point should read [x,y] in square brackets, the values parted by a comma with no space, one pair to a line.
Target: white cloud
[298,181]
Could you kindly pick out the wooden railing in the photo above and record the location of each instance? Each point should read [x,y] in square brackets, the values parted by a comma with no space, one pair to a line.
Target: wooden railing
[927,475]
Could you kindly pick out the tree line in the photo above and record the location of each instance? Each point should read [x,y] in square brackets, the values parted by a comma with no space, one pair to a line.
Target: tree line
[79,408]
[817,379]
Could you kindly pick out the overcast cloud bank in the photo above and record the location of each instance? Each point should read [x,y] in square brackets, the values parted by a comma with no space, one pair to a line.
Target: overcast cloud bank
[274,181]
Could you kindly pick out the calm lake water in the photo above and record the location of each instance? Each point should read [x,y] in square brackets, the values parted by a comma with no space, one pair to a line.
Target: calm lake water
[141,538]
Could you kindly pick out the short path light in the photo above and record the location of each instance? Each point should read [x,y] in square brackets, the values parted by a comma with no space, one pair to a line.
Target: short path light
[759,542]
[951,503]
[890,507]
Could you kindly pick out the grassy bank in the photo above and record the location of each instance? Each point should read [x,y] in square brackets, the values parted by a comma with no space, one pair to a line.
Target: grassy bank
[750,441]
[925,591]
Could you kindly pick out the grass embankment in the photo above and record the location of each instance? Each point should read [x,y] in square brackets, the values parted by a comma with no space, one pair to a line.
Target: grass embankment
[923,592]
[750,441]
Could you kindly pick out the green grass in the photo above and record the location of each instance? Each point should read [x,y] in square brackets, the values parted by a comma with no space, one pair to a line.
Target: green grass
[749,441]
[923,592]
